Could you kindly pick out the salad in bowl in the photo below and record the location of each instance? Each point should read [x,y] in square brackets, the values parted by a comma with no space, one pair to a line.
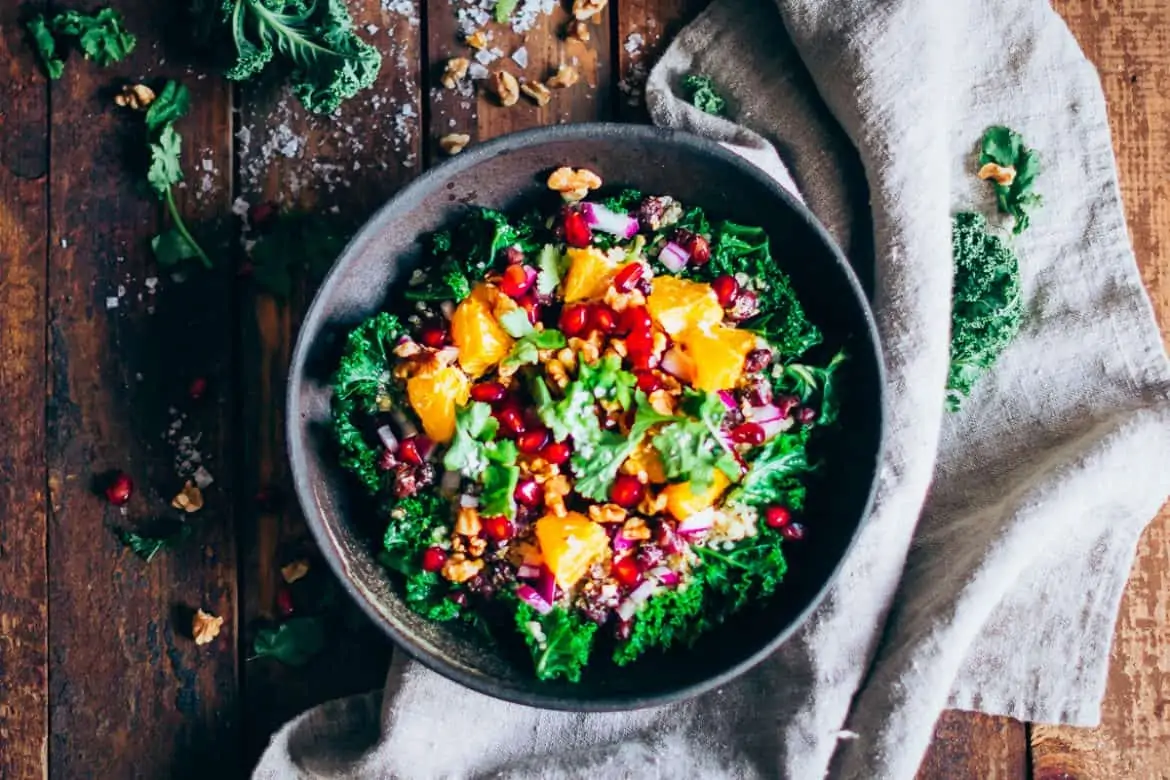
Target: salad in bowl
[589,424]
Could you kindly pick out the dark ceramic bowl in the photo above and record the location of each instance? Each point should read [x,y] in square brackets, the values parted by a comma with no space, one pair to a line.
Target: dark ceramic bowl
[510,172]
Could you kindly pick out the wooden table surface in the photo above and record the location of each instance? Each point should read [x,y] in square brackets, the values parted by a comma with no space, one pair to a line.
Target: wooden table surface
[98,677]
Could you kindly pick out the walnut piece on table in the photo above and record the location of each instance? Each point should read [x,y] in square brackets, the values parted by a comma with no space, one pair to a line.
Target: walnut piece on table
[565,77]
[454,143]
[189,499]
[506,87]
[205,627]
[294,570]
[1002,175]
[584,10]
[455,72]
[135,96]
[537,92]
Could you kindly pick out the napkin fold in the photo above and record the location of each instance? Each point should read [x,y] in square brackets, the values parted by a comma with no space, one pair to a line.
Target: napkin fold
[990,573]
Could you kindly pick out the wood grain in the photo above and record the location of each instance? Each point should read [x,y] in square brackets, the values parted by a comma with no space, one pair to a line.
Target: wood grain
[349,164]
[644,28]
[24,159]
[969,746]
[132,696]
[1128,42]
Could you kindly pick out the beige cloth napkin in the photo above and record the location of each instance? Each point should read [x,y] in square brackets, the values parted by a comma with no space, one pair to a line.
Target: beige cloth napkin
[990,574]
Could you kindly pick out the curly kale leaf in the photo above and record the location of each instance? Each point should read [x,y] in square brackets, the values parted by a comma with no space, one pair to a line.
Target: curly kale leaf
[669,618]
[560,642]
[987,309]
[596,462]
[703,95]
[1005,147]
[330,62]
[743,249]
[415,522]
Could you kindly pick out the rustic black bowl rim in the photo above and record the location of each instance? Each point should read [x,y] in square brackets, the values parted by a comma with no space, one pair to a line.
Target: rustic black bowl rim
[444,172]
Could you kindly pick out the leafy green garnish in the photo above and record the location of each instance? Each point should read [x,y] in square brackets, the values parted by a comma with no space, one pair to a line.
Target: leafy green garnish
[499,485]
[147,545]
[551,267]
[560,641]
[987,309]
[414,524]
[703,95]
[293,642]
[598,459]
[526,350]
[316,38]
[813,384]
[1005,148]
[165,171]
[474,428]
[692,448]
[773,471]
[46,45]
[504,9]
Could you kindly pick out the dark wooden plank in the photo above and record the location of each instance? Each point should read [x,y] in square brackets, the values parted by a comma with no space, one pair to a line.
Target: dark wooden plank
[24,157]
[474,110]
[968,746]
[132,696]
[644,28]
[349,164]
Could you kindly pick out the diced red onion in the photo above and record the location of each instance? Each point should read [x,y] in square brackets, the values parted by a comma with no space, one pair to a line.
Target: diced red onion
[388,439]
[426,447]
[728,400]
[668,540]
[773,427]
[667,577]
[529,596]
[643,592]
[527,571]
[546,585]
[697,523]
[467,501]
[601,218]
[675,363]
[673,256]
[622,542]
[405,427]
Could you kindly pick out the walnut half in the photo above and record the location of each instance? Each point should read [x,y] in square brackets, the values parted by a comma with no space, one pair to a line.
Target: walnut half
[456,70]
[1001,175]
[573,185]
[135,96]
[506,87]
[536,92]
[205,627]
[454,143]
[565,77]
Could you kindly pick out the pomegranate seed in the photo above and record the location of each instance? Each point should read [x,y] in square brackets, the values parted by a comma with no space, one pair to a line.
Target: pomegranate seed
[284,602]
[433,335]
[786,403]
[458,597]
[648,381]
[643,361]
[777,516]
[556,453]
[513,255]
[386,461]
[261,214]
[577,232]
[517,280]
[746,306]
[700,250]
[628,277]
[635,319]
[528,492]
[498,528]
[602,318]
[119,489]
[531,305]
[409,450]
[574,319]
[532,441]
[806,415]
[433,559]
[488,393]
[748,433]
[640,340]
[512,421]
[757,360]
[726,290]
[625,571]
[793,532]
[626,491]
[197,388]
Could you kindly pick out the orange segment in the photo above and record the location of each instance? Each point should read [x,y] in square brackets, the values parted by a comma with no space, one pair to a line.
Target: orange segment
[570,545]
[717,355]
[679,304]
[434,396]
[590,274]
[682,502]
[474,330]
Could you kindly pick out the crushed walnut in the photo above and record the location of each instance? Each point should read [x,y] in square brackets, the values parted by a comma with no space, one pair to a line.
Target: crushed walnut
[189,499]
[506,87]
[578,31]
[557,373]
[205,627]
[584,10]
[1000,174]
[477,40]
[607,513]
[459,569]
[555,490]
[291,572]
[538,93]
[467,521]
[454,143]
[652,504]
[455,71]
[135,96]
[565,77]
[636,529]
[573,185]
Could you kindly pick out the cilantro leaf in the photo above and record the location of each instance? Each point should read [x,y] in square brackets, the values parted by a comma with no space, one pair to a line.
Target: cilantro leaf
[168,107]
[772,472]
[101,35]
[560,642]
[516,323]
[572,416]
[474,426]
[504,10]
[693,448]
[526,351]
[46,46]
[703,95]
[330,63]
[551,269]
[165,169]
[606,379]
[499,485]
[148,545]
[1005,147]
[598,459]
[172,247]
[293,643]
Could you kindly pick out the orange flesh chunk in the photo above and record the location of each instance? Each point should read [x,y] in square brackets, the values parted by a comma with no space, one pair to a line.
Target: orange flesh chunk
[679,304]
[569,545]
[434,396]
[717,355]
[590,274]
[682,501]
[481,341]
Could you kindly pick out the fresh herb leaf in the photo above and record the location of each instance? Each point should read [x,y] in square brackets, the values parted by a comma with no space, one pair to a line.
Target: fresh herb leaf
[597,460]
[516,323]
[1005,147]
[703,95]
[168,107]
[773,471]
[499,485]
[148,545]
[165,169]
[172,247]
[605,379]
[293,642]
[101,35]
[814,385]
[474,427]
[42,38]
[551,268]
[504,9]
[987,309]
[526,351]
[624,202]
[560,641]
[413,521]
[315,37]
[692,449]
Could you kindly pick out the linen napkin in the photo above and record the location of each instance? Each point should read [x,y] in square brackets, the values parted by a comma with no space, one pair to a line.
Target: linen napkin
[990,573]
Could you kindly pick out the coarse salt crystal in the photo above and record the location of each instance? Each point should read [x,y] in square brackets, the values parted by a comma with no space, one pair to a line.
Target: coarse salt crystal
[477,71]
[241,207]
[202,477]
[372,29]
[486,56]
[520,57]
[121,291]
[111,301]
